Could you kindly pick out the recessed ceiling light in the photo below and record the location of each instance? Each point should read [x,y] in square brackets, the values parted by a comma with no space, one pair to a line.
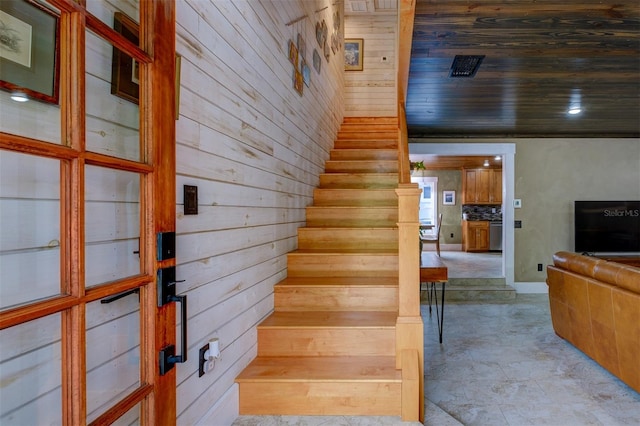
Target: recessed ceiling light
[574,110]
[498,158]
[486,163]
[19,97]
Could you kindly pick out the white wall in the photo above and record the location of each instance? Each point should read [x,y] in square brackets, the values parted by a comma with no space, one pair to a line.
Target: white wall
[372,92]
[254,148]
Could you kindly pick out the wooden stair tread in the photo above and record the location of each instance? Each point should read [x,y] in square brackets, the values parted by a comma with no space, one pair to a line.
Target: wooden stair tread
[346,229]
[322,369]
[330,319]
[346,252]
[364,175]
[339,282]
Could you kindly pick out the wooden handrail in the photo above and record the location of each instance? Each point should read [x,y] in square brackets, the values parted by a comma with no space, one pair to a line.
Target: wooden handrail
[403,145]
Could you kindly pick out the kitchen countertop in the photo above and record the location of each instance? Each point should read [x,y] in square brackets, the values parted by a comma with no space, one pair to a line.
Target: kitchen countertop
[484,218]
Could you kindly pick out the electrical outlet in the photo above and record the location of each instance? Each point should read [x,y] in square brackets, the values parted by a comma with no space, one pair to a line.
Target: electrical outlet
[202,361]
[452,235]
[539,267]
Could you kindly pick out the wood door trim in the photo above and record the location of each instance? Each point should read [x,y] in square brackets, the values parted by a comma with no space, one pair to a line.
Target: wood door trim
[126,404]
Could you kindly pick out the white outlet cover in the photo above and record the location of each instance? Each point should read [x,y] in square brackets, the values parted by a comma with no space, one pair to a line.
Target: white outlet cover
[517,203]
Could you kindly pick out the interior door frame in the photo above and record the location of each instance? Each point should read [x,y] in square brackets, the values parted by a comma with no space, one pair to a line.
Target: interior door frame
[507,151]
[156,393]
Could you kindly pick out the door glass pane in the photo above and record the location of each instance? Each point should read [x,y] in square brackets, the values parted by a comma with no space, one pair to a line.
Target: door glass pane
[130,418]
[30,373]
[29,71]
[30,228]
[112,225]
[105,9]
[111,100]
[113,352]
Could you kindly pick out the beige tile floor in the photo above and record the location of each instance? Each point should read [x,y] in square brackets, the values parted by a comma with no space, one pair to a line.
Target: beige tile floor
[472,265]
[502,364]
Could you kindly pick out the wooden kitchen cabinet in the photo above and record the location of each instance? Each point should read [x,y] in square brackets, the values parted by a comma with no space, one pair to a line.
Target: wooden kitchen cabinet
[481,186]
[475,235]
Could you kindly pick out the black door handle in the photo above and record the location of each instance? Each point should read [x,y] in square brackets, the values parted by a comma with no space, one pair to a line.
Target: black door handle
[166,286]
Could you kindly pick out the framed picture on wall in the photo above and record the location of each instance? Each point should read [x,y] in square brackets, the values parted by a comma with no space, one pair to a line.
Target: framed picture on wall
[125,75]
[353,54]
[29,54]
[449,198]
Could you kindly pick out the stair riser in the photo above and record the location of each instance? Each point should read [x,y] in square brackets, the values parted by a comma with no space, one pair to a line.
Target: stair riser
[370,121]
[358,181]
[344,217]
[326,342]
[347,239]
[363,155]
[320,398]
[341,265]
[367,135]
[361,167]
[321,298]
[354,197]
[366,144]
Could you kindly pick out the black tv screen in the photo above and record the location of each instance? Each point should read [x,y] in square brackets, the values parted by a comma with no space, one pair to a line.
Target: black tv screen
[607,226]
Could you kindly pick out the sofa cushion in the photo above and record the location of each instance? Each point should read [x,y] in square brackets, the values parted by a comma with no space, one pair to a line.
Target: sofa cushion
[583,265]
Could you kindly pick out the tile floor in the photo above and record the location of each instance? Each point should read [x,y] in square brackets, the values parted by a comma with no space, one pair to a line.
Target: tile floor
[472,265]
[502,364]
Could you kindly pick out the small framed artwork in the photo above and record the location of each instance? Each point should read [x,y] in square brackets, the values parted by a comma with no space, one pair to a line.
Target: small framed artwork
[298,81]
[306,73]
[448,198]
[293,54]
[319,33]
[353,54]
[125,71]
[302,48]
[317,61]
[29,53]
[327,51]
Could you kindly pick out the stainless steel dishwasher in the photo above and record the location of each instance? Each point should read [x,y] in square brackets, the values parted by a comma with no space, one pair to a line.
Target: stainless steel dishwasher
[495,236]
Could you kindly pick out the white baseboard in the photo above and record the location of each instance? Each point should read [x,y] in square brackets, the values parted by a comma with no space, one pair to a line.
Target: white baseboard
[531,287]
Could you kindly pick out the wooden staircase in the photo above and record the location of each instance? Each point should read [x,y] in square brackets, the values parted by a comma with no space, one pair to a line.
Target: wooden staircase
[329,347]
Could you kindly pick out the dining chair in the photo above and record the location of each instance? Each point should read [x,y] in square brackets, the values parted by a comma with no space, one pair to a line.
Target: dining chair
[433,238]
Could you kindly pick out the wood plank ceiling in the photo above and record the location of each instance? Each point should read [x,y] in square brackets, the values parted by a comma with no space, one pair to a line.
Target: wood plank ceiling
[541,57]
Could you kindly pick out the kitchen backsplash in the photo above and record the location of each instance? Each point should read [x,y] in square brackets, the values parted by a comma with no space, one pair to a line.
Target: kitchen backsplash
[482,212]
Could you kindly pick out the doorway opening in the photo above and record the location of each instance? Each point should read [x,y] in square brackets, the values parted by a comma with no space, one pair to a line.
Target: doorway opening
[492,263]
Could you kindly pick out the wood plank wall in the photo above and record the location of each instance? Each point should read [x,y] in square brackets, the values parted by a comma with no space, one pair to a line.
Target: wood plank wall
[372,92]
[254,148]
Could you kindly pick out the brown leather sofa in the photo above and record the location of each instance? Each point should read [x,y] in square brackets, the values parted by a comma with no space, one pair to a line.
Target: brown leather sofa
[595,305]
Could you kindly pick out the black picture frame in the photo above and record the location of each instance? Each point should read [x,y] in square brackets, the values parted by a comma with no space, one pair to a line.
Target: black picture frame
[124,69]
[29,50]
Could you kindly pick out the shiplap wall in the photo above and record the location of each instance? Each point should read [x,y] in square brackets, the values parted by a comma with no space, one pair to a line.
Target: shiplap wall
[372,92]
[254,148]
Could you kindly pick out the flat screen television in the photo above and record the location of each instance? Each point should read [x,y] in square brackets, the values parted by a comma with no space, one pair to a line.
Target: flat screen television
[607,227]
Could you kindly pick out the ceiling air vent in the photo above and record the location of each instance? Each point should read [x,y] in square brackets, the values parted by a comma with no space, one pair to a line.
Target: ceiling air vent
[465,65]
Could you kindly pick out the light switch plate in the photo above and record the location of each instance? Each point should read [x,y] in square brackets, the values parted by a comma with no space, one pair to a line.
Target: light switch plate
[517,203]
[190,193]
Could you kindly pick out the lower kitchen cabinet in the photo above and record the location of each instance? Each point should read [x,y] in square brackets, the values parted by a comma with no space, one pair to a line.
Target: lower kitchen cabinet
[475,235]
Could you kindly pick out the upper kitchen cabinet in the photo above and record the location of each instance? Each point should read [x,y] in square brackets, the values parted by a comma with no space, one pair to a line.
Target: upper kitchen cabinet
[482,186]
